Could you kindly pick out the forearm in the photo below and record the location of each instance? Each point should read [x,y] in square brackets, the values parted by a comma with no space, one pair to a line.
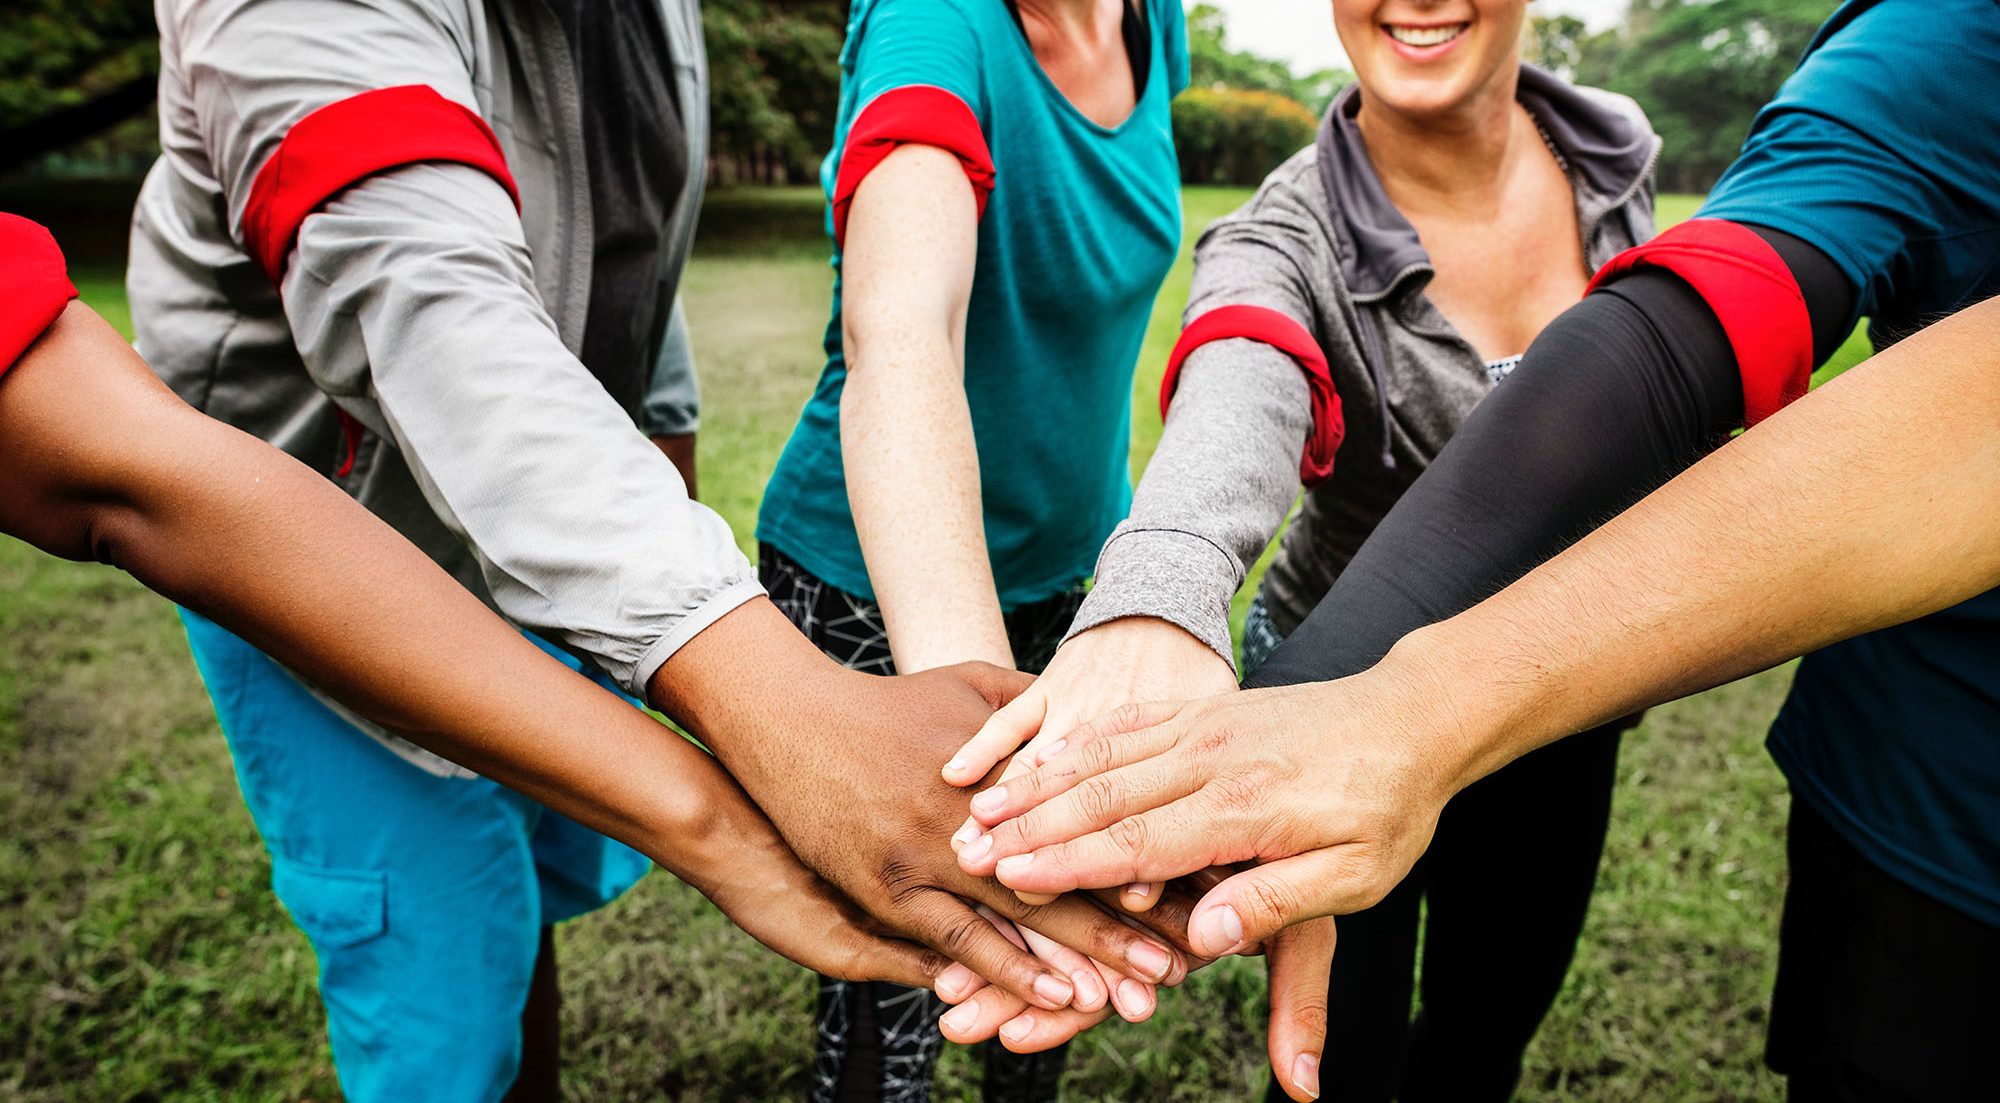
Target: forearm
[1875,501]
[104,463]
[912,463]
[1216,490]
[913,484]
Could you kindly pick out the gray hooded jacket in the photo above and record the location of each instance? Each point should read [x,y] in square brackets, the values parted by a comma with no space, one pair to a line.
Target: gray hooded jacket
[1322,244]
[421,303]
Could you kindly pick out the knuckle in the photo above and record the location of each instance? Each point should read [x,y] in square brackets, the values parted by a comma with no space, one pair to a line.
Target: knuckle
[1236,792]
[1131,835]
[1310,1013]
[959,936]
[1097,756]
[1096,798]
[1271,902]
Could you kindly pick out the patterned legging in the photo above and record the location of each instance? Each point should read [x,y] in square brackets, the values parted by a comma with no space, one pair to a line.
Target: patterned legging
[880,1042]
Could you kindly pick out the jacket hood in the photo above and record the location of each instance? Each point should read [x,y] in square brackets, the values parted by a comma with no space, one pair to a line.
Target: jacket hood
[1609,149]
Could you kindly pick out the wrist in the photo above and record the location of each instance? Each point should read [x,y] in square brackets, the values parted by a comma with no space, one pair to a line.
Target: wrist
[739,685]
[1458,720]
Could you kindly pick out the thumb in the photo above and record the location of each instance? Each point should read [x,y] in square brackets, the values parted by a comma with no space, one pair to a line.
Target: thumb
[1014,724]
[1300,959]
[1255,905]
[998,684]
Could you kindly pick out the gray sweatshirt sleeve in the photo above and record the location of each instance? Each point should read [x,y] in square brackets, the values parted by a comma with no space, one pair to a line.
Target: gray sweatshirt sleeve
[1227,468]
[412,300]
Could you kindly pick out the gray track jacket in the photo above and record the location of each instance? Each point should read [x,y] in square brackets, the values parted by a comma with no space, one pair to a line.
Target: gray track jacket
[424,305]
[1321,244]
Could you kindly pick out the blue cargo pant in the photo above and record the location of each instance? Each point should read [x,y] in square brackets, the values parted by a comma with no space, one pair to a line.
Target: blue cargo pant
[424,897]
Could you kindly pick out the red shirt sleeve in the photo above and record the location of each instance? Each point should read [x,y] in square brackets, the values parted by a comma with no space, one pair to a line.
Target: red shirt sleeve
[34,286]
[1257,323]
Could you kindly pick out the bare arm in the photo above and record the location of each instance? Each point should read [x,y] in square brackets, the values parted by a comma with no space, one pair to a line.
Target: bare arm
[99,461]
[905,428]
[1872,502]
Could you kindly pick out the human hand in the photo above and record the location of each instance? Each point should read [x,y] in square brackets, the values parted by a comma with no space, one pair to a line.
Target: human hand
[1334,789]
[1298,961]
[826,754]
[732,854]
[1126,661]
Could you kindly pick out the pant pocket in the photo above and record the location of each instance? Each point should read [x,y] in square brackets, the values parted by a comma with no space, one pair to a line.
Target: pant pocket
[336,908]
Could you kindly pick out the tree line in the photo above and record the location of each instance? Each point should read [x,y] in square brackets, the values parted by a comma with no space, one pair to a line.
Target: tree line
[76,84]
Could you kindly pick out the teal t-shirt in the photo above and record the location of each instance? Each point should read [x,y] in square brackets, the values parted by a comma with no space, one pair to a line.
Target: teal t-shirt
[1080,228]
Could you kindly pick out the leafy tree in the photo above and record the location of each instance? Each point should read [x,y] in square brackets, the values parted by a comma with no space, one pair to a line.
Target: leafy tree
[70,69]
[1701,71]
[1212,64]
[775,83]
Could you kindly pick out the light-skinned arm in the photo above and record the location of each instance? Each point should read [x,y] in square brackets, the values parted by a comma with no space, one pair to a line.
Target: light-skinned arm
[1871,502]
[905,427]
[911,460]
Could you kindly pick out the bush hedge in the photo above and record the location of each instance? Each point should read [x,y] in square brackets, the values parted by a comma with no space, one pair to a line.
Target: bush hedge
[1230,136]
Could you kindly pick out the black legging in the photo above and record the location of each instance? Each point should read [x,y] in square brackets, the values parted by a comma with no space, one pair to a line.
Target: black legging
[1615,397]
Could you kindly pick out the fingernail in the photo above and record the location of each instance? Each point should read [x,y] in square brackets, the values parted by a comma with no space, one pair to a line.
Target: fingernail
[1221,930]
[1305,1074]
[951,986]
[1140,892]
[961,1020]
[1051,751]
[1090,994]
[1150,960]
[1055,990]
[977,848]
[966,834]
[1018,1028]
[1012,864]
[955,766]
[1135,1000]
[990,801]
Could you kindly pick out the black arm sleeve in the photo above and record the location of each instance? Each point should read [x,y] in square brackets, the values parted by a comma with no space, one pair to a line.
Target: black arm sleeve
[1618,395]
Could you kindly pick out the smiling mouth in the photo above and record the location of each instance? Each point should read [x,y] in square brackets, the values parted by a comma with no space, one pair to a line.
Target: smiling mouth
[1425,36]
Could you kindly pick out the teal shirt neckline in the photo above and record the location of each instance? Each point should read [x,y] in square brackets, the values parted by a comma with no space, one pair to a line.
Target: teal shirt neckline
[1082,226]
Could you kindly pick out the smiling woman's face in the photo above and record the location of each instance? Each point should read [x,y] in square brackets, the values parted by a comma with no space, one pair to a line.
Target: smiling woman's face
[1429,57]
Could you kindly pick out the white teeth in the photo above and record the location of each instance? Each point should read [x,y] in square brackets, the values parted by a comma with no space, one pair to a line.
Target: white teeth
[1426,36]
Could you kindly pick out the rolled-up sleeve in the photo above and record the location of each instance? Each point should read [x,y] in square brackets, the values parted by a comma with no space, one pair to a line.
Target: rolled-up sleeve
[411,296]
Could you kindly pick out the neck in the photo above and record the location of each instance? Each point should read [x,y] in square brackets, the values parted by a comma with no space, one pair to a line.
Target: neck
[1449,159]
[1072,18]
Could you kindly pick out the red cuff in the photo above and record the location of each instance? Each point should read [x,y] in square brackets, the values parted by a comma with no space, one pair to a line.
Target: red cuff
[34,286]
[1279,331]
[1753,294]
[348,141]
[917,115]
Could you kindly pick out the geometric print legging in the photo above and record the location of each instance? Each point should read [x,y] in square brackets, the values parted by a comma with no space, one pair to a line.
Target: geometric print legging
[879,1043]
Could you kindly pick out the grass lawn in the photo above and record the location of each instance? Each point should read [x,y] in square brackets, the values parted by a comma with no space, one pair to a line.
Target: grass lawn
[145,959]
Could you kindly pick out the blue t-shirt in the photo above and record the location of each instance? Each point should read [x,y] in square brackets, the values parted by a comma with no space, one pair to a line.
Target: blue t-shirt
[1080,228]
[1883,150]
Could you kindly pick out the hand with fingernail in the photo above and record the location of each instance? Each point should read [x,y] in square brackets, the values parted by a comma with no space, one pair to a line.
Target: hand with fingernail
[1329,792]
[1120,662]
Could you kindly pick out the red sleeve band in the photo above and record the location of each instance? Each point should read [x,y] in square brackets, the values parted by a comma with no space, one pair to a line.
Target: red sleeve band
[1281,332]
[1753,294]
[34,286]
[917,115]
[348,141]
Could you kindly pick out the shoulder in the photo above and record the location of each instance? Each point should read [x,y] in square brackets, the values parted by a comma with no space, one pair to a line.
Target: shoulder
[1289,209]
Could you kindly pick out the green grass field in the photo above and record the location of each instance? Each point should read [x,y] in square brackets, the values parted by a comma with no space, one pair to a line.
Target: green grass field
[145,959]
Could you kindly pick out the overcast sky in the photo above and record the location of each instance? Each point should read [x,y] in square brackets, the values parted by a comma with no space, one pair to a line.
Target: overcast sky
[1301,31]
